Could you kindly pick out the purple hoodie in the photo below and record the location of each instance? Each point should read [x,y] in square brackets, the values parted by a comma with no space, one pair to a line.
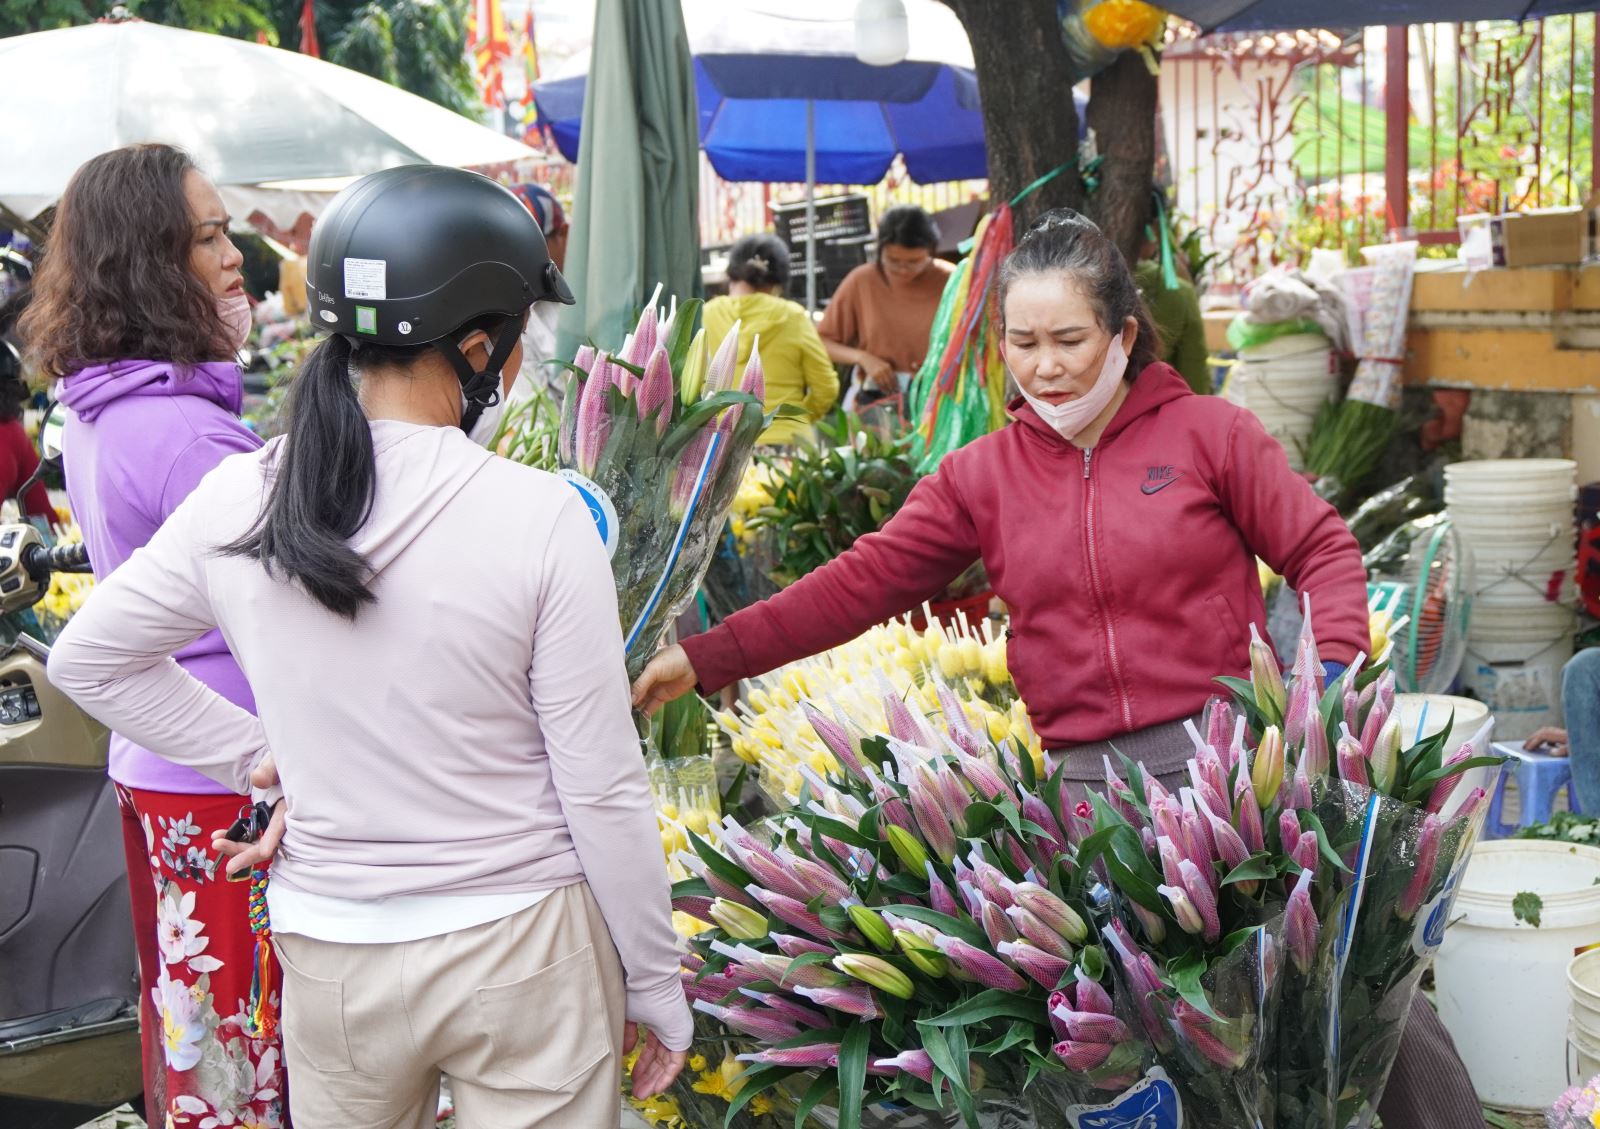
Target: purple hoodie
[140,438]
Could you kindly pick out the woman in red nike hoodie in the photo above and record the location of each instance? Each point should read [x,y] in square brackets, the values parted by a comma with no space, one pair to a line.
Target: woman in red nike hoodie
[1120,517]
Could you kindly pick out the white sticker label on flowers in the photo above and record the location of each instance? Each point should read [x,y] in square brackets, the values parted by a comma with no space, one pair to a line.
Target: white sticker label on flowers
[366,278]
[1152,1103]
[600,508]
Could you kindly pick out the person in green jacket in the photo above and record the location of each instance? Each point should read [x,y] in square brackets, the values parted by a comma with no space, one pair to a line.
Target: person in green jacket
[793,357]
[1176,310]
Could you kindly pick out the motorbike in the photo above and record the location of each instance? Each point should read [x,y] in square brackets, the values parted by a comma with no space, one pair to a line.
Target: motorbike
[69,985]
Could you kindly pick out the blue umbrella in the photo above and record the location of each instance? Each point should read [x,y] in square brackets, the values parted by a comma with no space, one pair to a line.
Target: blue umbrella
[753,115]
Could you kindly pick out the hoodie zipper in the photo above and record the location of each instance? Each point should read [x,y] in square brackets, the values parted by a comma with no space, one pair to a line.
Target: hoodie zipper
[1117,682]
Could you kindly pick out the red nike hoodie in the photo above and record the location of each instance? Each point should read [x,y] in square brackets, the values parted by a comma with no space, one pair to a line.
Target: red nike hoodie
[1128,568]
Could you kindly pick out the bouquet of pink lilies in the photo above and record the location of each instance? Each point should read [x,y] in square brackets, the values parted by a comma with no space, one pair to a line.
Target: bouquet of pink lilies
[916,932]
[1290,895]
[656,436]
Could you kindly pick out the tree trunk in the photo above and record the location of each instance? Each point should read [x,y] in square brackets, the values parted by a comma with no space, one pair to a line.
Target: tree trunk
[1018,51]
[1025,80]
[1122,114]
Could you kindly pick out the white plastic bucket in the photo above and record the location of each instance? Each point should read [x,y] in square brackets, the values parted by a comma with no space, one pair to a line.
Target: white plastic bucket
[1469,715]
[1583,985]
[1520,682]
[1510,623]
[1584,1057]
[1502,984]
[1512,476]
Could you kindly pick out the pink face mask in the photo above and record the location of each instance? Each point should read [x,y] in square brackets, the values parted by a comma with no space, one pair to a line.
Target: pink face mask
[235,313]
[1072,417]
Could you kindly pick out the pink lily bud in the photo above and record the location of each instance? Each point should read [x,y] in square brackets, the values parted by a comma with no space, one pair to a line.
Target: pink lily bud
[655,391]
[930,815]
[988,783]
[1154,926]
[1092,1026]
[1198,885]
[1305,850]
[1155,793]
[1266,678]
[792,946]
[1266,776]
[817,1056]
[694,905]
[594,425]
[1382,707]
[1386,754]
[954,795]
[1307,662]
[1300,790]
[697,459]
[1352,708]
[1118,792]
[1294,714]
[1288,830]
[794,912]
[1200,847]
[1090,995]
[1169,854]
[994,884]
[939,895]
[1044,969]
[1058,999]
[1232,850]
[845,748]
[1445,788]
[917,1063]
[820,879]
[1469,807]
[774,874]
[974,899]
[720,375]
[1219,726]
[996,925]
[1038,934]
[1352,762]
[1167,820]
[1037,811]
[1247,815]
[903,725]
[645,333]
[1200,1031]
[1204,789]
[1314,754]
[852,999]
[754,381]
[1422,877]
[1081,1056]
[1143,978]
[1300,925]
[758,1023]
[983,967]
[1051,910]
[783,1005]
[711,989]
[1184,911]
[584,358]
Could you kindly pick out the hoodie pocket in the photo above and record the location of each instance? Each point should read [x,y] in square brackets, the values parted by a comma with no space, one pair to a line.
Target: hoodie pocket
[1235,634]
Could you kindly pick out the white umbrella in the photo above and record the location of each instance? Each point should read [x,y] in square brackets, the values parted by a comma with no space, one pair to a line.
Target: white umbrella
[248,114]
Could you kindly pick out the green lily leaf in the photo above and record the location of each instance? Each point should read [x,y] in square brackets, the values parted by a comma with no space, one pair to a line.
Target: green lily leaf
[1257,867]
[1186,972]
[853,1074]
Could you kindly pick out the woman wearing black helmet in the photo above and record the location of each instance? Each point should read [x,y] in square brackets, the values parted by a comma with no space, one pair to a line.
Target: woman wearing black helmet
[471,880]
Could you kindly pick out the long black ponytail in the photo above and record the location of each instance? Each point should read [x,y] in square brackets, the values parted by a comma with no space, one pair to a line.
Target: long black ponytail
[323,488]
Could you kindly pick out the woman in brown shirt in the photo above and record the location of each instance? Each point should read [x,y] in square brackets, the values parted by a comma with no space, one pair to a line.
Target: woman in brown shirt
[880,317]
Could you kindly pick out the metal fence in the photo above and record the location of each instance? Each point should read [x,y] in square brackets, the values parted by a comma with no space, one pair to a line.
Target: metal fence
[1279,144]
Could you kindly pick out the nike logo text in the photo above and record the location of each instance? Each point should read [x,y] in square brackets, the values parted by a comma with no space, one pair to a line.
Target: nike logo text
[1158,478]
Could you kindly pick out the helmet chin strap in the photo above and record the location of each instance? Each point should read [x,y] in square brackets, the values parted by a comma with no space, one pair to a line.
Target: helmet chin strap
[481,388]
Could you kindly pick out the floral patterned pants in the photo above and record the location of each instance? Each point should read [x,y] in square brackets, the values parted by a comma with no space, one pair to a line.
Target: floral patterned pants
[202,1069]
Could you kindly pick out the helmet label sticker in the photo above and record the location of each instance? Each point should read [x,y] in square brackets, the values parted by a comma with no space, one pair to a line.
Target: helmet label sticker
[366,278]
[366,319]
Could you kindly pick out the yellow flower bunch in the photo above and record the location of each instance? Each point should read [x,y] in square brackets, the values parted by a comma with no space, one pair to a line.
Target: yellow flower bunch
[1120,24]
[769,729]
[755,493]
[68,590]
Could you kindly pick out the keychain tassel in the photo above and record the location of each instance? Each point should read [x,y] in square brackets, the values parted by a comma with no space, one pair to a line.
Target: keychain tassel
[263,1017]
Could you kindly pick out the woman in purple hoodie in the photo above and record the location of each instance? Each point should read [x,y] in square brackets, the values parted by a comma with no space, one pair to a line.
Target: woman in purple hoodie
[139,310]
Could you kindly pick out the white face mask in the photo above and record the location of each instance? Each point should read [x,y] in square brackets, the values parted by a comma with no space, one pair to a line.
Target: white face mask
[235,313]
[1073,416]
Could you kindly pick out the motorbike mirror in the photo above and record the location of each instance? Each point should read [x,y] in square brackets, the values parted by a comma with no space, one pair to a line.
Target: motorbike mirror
[52,433]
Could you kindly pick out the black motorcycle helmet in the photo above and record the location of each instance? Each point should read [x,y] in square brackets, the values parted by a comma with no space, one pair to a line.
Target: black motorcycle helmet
[409,255]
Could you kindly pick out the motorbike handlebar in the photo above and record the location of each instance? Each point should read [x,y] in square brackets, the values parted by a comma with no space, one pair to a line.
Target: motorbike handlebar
[41,562]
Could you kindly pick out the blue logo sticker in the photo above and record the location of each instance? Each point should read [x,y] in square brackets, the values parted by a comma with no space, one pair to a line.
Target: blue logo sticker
[600,508]
[1433,917]
[1152,1103]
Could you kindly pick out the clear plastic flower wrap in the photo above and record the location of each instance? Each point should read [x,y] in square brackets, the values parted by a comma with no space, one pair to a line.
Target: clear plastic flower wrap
[656,437]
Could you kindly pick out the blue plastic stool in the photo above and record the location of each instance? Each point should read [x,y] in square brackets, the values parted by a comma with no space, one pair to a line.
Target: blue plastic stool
[1539,777]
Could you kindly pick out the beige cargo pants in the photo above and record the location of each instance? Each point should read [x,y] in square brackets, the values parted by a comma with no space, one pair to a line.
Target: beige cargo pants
[524,1014]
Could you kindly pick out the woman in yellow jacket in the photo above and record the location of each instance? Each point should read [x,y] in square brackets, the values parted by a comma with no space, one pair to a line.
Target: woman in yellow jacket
[796,364]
